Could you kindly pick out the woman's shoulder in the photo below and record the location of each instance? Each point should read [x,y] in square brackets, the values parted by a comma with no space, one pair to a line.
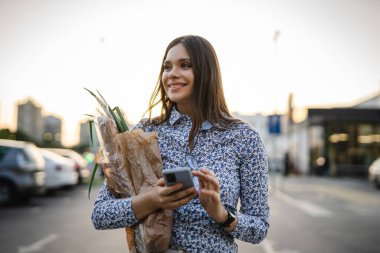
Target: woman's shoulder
[247,139]
[243,133]
[242,127]
[144,124]
[148,125]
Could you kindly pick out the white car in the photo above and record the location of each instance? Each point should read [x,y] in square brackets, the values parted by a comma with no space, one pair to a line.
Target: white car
[374,172]
[59,171]
[80,163]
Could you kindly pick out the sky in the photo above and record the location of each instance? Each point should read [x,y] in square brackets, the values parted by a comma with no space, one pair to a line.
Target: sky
[326,52]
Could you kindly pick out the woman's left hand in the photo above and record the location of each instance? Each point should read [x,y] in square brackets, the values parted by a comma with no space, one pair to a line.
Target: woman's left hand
[209,194]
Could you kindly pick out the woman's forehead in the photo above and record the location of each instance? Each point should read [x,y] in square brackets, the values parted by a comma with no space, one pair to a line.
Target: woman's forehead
[176,53]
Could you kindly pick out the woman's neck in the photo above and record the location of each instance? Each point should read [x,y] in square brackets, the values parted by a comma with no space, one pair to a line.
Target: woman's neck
[185,109]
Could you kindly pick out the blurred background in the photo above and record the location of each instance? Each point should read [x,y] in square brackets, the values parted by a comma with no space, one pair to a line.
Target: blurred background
[305,74]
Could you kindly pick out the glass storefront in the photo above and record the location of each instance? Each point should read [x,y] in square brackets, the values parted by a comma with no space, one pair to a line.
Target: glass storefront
[342,147]
[351,147]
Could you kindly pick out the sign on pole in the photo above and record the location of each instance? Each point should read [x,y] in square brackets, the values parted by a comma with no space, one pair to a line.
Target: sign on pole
[274,124]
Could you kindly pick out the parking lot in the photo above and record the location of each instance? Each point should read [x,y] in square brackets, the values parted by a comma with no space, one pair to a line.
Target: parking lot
[307,215]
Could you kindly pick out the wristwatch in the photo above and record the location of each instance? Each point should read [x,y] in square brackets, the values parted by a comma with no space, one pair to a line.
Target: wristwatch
[230,218]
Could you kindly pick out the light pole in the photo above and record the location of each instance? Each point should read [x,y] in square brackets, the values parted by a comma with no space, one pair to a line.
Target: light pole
[275,119]
[276,37]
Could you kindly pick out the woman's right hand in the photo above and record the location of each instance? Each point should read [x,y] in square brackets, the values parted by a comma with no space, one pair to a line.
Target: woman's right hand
[161,197]
[171,197]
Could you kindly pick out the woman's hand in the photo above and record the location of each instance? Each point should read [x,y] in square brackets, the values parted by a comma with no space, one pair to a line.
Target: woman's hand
[161,196]
[209,194]
[171,197]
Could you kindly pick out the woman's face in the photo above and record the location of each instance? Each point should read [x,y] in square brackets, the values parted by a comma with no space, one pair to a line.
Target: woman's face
[178,78]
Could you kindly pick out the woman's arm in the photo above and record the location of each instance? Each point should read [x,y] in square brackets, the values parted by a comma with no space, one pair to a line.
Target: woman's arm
[110,212]
[253,216]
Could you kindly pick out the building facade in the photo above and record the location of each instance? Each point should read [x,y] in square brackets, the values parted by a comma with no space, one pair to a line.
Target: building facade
[42,129]
[29,120]
[52,130]
[340,141]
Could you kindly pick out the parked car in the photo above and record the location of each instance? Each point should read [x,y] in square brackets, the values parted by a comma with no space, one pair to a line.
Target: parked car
[374,172]
[60,171]
[80,163]
[22,172]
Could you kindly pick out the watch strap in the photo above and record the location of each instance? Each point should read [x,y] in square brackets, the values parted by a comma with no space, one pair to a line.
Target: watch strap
[230,219]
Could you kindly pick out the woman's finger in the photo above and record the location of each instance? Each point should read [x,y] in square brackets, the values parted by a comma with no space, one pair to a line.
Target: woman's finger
[182,194]
[181,202]
[210,193]
[168,190]
[207,171]
[205,179]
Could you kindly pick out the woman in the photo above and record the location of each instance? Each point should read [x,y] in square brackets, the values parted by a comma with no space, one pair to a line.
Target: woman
[227,156]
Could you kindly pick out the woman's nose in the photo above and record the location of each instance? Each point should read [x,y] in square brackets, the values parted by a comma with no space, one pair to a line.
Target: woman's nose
[174,73]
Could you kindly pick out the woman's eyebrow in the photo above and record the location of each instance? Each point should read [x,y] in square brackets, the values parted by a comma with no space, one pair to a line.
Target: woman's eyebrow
[180,60]
[184,59]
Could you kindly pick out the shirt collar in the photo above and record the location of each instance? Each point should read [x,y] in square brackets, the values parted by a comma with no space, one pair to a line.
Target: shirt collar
[176,115]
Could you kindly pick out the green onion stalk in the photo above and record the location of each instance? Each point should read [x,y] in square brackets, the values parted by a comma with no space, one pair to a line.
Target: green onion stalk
[115,115]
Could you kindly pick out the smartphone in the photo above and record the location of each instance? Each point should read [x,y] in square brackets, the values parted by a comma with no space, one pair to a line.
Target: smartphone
[179,175]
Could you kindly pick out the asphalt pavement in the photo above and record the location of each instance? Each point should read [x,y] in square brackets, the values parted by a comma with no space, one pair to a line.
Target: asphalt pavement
[307,215]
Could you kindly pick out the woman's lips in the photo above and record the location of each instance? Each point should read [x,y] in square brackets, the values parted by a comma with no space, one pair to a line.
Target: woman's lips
[176,86]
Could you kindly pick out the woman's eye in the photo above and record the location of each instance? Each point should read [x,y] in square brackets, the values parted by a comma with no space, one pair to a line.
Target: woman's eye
[186,65]
[167,67]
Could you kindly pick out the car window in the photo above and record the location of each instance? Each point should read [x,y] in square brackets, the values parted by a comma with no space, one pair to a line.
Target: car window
[3,152]
[10,156]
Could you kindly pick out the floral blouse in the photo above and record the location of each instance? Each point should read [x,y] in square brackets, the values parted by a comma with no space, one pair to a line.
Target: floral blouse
[237,157]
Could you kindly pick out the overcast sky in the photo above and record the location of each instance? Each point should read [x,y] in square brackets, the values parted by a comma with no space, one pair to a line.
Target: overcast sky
[327,52]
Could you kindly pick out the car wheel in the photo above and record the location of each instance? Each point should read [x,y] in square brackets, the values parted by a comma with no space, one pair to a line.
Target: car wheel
[7,193]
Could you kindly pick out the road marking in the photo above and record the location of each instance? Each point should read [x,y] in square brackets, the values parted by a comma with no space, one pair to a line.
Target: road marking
[267,246]
[305,206]
[38,245]
[358,210]
[354,196]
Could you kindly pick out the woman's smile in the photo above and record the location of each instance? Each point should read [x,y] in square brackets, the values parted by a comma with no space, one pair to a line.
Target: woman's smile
[175,86]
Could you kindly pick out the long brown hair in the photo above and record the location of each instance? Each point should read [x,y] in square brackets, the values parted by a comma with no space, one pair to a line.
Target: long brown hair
[207,99]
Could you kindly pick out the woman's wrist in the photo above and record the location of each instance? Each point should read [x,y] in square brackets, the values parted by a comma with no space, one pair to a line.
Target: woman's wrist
[225,219]
[143,205]
[221,215]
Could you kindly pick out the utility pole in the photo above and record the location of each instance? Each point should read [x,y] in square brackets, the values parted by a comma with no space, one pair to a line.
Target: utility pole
[275,119]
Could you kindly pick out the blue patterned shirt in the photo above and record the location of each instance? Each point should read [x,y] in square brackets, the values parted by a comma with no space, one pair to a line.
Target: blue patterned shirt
[237,157]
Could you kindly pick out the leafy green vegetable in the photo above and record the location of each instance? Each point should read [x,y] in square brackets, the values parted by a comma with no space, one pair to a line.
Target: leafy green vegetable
[117,117]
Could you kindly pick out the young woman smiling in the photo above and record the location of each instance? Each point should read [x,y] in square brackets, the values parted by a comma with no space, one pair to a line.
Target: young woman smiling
[226,156]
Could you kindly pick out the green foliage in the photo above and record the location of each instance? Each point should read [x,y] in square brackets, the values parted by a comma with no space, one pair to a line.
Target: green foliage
[5,133]
[92,179]
[118,118]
